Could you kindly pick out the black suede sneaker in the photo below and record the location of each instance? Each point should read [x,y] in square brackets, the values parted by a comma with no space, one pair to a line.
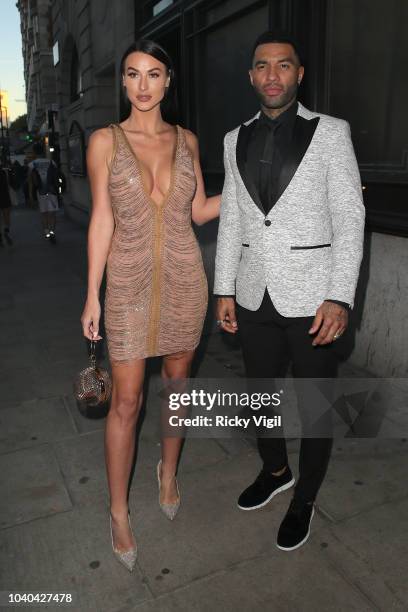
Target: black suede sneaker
[265,487]
[295,527]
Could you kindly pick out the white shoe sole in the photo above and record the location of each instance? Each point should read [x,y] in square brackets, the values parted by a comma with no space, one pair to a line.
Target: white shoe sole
[304,539]
[272,495]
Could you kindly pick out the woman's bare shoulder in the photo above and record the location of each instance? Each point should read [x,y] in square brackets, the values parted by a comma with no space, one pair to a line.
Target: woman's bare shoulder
[191,140]
[102,138]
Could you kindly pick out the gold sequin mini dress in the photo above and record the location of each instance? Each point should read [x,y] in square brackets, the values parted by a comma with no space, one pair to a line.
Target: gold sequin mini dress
[156,292]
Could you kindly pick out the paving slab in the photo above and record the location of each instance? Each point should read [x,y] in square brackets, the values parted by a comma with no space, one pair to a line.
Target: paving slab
[83,424]
[348,557]
[371,446]
[57,378]
[354,485]
[34,422]
[210,533]
[13,355]
[82,463]
[370,548]
[18,384]
[71,553]
[11,329]
[277,582]
[32,484]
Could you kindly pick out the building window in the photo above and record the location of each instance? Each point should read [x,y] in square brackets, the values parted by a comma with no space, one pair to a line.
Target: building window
[161,6]
[368,51]
[76,77]
[55,53]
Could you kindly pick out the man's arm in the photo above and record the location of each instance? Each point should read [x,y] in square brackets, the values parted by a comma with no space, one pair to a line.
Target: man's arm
[347,215]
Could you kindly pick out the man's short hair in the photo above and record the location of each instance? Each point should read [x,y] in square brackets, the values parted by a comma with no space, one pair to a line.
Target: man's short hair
[278,36]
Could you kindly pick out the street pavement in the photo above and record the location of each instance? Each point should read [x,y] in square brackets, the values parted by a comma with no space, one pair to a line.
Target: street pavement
[54,528]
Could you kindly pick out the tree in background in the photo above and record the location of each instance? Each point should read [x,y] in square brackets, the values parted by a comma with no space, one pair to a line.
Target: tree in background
[19,124]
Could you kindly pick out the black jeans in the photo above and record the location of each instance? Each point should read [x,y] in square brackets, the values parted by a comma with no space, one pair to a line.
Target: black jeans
[269,342]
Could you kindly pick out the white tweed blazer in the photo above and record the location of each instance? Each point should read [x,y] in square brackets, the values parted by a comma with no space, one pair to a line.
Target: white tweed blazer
[308,248]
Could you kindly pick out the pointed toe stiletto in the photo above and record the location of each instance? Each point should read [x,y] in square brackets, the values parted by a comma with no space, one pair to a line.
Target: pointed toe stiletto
[169,510]
[125,557]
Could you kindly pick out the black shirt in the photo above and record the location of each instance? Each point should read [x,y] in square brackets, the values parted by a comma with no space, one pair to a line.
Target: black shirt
[266,153]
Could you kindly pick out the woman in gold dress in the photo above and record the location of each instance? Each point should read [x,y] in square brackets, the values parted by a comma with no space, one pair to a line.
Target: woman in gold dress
[147,186]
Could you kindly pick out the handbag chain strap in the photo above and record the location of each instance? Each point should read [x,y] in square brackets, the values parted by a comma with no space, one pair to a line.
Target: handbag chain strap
[92,355]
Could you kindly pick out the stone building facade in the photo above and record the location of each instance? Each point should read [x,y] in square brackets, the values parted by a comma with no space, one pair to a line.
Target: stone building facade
[39,74]
[89,38]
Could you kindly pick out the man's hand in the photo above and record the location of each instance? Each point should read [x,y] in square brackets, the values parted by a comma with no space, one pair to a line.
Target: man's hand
[332,320]
[225,314]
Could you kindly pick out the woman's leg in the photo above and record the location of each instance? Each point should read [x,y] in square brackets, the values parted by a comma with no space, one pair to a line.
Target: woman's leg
[120,430]
[175,367]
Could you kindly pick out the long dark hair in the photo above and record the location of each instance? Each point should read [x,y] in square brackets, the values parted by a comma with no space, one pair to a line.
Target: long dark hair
[168,106]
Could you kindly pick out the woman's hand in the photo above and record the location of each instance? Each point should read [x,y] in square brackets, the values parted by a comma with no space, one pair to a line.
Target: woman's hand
[90,319]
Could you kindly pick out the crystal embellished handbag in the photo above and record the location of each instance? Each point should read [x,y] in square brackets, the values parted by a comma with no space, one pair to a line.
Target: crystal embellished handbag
[92,386]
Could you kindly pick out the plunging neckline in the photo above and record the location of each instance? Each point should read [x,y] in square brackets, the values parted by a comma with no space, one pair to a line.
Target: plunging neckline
[172,171]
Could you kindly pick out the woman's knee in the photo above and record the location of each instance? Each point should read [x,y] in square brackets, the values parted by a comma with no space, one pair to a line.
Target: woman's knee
[177,366]
[126,405]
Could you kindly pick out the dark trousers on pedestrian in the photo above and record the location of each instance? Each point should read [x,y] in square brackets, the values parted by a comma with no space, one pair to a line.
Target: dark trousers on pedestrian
[269,343]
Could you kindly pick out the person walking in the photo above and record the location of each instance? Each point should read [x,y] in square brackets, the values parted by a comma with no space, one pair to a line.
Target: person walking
[146,187]
[289,248]
[43,176]
[17,182]
[5,206]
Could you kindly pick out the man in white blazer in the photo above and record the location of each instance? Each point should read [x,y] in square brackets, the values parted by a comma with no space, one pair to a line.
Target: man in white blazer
[289,249]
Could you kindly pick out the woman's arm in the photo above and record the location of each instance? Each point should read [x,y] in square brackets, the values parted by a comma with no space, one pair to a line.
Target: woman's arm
[203,209]
[101,226]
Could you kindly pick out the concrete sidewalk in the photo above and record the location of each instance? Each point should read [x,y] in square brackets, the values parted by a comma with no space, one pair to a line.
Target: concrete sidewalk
[54,531]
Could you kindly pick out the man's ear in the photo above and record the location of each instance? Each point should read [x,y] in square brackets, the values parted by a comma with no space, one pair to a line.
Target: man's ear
[250,77]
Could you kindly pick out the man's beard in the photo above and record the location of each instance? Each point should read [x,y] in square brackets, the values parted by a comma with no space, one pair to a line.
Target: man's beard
[277,101]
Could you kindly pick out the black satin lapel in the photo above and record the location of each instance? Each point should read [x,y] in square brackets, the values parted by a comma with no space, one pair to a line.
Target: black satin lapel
[244,135]
[303,132]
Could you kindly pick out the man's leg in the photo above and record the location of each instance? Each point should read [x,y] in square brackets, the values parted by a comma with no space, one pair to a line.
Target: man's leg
[312,362]
[265,352]
[6,213]
[309,362]
[44,221]
[52,217]
[42,205]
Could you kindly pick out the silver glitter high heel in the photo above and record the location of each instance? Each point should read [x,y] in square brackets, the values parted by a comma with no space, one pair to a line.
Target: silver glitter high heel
[170,510]
[126,557]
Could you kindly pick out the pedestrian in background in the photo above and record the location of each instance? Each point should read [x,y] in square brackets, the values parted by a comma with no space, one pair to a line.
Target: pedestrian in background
[17,182]
[43,175]
[5,205]
[26,188]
